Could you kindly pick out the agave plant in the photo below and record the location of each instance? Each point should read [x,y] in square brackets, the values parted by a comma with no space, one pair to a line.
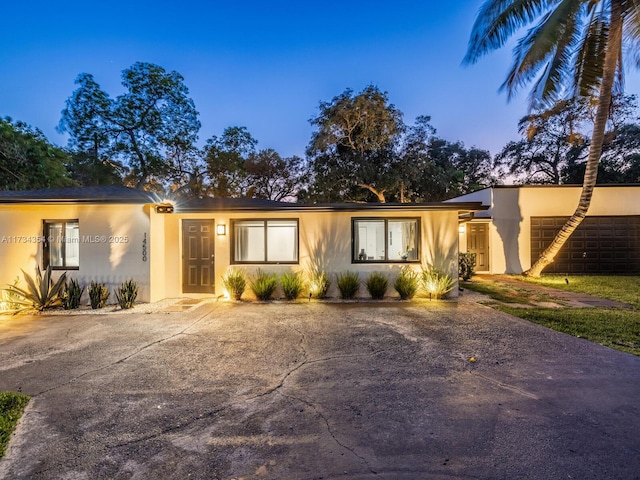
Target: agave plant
[40,294]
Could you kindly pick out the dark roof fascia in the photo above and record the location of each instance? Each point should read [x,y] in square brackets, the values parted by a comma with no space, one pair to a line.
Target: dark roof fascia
[79,195]
[605,185]
[340,207]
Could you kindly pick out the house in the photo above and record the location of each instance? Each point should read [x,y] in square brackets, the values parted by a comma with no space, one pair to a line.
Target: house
[521,222]
[184,248]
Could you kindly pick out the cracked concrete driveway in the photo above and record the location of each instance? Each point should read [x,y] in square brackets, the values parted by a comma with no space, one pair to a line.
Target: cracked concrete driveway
[317,391]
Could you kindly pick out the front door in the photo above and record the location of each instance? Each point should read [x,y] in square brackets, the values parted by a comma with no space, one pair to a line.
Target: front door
[478,243]
[198,273]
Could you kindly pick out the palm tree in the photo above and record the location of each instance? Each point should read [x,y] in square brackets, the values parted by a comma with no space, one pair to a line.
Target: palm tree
[574,49]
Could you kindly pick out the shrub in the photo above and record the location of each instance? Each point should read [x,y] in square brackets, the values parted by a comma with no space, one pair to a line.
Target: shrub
[127,293]
[292,285]
[319,283]
[348,284]
[98,294]
[235,282]
[263,285]
[406,283]
[466,265]
[377,284]
[436,283]
[41,293]
[9,300]
[71,294]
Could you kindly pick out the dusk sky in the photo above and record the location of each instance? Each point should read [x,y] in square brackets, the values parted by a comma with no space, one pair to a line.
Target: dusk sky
[263,65]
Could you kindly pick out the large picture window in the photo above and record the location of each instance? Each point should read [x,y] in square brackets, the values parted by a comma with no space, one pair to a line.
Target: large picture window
[265,241]
[386,240]
[61,244]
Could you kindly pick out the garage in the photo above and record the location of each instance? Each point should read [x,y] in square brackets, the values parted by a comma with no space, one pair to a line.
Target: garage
[600,245]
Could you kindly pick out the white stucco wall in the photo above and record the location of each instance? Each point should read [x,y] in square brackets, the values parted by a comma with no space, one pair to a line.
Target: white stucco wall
[512,209]
[324,242]
[111,243]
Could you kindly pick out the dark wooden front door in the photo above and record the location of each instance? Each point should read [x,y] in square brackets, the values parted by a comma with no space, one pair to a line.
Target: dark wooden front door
[478,243]
[198,272]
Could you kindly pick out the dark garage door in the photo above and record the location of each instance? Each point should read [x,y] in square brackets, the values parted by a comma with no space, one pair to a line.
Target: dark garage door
[599,245]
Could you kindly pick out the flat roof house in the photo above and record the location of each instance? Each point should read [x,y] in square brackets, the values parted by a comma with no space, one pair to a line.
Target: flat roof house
[184,248]
[521,221]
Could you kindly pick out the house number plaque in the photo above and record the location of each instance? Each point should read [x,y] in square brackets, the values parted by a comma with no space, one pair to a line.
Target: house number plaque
[144,248]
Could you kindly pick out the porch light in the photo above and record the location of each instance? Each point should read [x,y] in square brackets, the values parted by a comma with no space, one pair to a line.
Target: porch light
[164,208]
[462,228]
[221,229]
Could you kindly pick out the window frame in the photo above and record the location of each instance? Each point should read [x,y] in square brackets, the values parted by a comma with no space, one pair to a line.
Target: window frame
[386,260]
[46,249]
[265,222]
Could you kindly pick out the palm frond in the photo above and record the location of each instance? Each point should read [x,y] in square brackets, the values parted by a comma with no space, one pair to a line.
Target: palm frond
[589,62]
[497,20]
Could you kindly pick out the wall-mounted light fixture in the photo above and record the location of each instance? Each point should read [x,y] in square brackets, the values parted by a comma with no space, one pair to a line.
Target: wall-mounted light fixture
[164,208]
[462,228]
[221,229]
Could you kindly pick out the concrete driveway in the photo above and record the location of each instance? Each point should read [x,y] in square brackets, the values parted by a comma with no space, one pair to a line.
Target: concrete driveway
[317,391]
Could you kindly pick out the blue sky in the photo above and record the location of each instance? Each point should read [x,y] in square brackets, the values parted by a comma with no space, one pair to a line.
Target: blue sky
[263,65]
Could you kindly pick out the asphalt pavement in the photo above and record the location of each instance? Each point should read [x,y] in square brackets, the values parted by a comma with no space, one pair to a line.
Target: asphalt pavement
[311,390]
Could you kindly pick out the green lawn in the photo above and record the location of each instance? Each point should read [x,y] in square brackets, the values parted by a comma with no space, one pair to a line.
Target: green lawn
[11,407]
[615,328]
[620,288]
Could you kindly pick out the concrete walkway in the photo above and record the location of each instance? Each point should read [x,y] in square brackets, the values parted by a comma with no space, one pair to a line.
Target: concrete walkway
[316,391]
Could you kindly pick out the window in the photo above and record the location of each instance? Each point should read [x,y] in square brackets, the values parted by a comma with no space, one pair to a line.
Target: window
[61,244]
[385,240]
[265,241]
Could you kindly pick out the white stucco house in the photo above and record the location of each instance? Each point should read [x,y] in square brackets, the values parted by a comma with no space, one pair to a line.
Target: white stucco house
[521,221]
[174,249]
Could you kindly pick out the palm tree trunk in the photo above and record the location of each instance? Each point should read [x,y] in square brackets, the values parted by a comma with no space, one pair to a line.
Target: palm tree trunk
[612,56]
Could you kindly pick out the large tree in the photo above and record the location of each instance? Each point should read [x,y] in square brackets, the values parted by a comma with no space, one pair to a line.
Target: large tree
[153,122]
[27,159]
[352,150]
[575,48]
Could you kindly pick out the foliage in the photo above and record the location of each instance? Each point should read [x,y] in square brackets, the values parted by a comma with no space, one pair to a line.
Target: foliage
[292,285]
[41,294]
[348,284]
[236,169]
[377,284]
[71,294]
[319,284]
[466,265]
[126,294]
[98,294]
[436,283]
[235,282]
[351,150]
[27,159]
[9,299]
[151,128]
[263,285]
[12,406]
[406,283]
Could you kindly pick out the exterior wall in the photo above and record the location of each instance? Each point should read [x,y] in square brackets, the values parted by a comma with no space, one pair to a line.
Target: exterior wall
[324,243]
[512,209]
[111,243]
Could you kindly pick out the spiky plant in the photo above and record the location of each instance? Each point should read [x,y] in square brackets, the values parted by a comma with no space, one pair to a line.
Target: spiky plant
[348,284]
[263,285]
[436,283]
[292,285]
[406,283]
[127,293]
[71,294]
[41,293]
[235,282]
[377,284]
[98,294]
[319,284]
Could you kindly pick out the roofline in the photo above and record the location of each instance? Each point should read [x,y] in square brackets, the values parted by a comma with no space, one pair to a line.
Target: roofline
[568,185]
[342,207]
[68,201]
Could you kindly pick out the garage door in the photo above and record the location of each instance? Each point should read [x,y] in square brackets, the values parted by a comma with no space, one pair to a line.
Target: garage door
[599,245]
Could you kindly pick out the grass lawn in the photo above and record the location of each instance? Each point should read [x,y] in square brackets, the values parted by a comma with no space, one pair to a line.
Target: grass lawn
[624,289]
[11,407]
[615,328]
